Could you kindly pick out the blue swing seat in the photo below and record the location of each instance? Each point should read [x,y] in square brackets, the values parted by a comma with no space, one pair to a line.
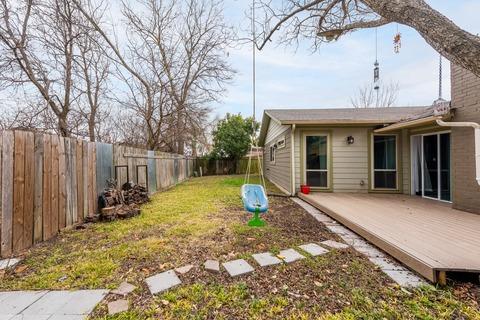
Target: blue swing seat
[254,198]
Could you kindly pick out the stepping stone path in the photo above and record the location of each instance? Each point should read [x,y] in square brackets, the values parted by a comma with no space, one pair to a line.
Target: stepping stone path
[162,281]
[124,289]
[237,267]
[212,265]
[266,259]
[290,255]
[8,263]
[184,269]
[334,244]
[40,305]
[118,306]
[313,249]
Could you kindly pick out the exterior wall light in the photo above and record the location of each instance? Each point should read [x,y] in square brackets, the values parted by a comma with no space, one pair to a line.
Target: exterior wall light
[350,140]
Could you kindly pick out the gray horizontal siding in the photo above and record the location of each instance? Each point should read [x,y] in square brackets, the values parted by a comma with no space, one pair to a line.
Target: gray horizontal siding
[279,172]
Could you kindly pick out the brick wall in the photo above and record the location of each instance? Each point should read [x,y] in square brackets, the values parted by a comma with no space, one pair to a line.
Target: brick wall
[466,100]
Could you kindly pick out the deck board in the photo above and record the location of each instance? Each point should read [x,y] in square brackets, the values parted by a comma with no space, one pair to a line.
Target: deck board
[426,235]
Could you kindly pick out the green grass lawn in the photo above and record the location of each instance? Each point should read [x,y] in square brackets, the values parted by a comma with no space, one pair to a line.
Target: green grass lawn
[202,219]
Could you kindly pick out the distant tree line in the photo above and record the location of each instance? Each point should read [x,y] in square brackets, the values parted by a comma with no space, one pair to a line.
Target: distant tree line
[147,78]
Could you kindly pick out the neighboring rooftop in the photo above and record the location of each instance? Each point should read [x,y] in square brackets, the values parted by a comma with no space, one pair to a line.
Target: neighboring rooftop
[346,115]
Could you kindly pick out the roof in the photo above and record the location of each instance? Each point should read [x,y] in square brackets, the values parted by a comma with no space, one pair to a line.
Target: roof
[345,116]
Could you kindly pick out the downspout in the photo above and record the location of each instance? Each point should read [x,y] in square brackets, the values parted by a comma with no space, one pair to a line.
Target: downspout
[292,154]
[476,128]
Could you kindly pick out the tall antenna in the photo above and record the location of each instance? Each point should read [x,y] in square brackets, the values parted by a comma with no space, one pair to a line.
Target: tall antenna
[254,47]
[376,69]
[440,84]
[440,78]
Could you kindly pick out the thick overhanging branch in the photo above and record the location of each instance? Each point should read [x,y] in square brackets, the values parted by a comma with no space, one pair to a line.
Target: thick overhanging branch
[334,34]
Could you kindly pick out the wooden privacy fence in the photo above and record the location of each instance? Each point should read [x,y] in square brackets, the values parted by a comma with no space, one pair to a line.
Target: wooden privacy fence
[225,166]
[48,183]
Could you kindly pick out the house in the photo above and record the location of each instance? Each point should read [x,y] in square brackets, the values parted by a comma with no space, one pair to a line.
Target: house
[405,178]
[409,150]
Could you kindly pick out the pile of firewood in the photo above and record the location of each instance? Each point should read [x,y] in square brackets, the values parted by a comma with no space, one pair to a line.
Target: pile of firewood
[124,203]
[134,193]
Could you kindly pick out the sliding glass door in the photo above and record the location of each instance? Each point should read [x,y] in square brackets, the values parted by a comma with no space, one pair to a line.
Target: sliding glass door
[436,166]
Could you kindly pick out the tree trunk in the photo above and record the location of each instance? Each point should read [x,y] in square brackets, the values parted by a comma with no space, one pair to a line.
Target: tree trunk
[91,126]
[457,45]
[62,126]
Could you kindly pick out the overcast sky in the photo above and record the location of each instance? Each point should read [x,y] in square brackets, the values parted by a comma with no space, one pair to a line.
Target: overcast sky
[329,78]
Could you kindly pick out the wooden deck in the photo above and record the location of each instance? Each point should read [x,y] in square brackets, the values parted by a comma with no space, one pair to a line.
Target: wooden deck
[426,235]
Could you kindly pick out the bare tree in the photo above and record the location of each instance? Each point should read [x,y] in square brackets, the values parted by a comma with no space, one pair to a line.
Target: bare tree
[37,49]
[93,69]
[175,66]
[326,20]
[189,40]
[367,97]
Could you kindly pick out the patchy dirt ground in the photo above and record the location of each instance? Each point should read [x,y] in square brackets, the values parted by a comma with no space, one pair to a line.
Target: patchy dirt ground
[203,219]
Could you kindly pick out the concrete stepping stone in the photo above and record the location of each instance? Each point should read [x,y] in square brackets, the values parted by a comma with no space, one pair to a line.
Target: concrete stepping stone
[124,289]
[237,267]
[162,281]
[290,255]
[369,251]
[8,263]
[185,269]
[334,244]
[49,304]
[405,278]
[313,249]
[266,259]
[118,306]
[212,265]
[385,264]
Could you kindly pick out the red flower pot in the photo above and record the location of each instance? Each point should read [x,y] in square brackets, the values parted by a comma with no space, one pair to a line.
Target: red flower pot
[304,189]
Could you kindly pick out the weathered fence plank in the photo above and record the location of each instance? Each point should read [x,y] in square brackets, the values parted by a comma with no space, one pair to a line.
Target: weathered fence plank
[152,172]
[68,182]
[85,178]
[62,184]
[7,192]
[54,206]
[91,179]
[79,173]
[47,187]
[38,190]
[29,200]
[18,190]
[73,146]
[1,152]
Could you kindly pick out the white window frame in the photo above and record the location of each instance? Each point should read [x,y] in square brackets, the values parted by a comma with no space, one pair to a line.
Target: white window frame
[272,153]
[281,142]
[304,147]
[372,162]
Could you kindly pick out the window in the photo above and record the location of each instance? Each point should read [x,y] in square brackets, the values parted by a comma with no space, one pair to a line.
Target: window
[281,143]
[384,162]
[272,154]
[316,161]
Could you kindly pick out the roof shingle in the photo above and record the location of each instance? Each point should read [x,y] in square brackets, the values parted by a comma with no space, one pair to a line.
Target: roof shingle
[346,115]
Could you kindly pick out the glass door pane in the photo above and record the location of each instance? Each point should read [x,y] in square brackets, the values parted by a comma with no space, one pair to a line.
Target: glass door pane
[445,192]
[316,161]
[430,166]
[385,162]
